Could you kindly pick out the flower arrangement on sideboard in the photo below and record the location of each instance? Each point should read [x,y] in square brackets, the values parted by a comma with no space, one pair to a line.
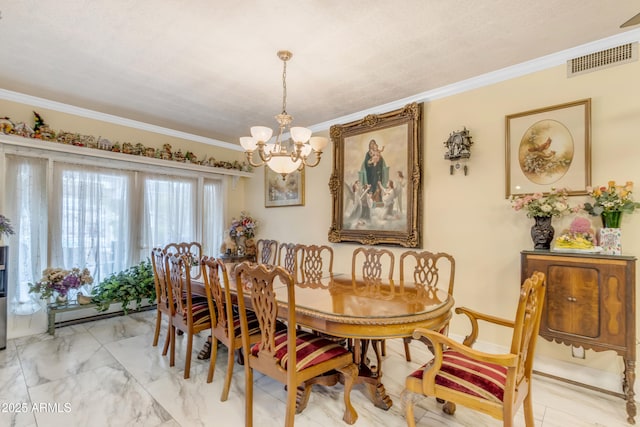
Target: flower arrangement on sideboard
[556,203]
[610,202]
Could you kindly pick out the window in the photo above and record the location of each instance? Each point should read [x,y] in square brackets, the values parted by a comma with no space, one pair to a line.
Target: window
[169,211]
[26,188]
[90,222]
[103,218]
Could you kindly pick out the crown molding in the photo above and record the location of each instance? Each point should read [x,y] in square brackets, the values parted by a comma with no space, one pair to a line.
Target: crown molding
[507,73]
[109,118]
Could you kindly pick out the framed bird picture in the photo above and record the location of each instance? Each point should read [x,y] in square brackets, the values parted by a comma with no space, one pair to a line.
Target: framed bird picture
[549,148]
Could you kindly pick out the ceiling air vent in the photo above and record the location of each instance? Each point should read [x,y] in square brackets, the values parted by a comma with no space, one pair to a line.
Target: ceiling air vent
[604,59]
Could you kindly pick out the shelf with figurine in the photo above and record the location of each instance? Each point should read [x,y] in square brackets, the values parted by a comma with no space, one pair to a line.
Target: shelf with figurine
[43,132]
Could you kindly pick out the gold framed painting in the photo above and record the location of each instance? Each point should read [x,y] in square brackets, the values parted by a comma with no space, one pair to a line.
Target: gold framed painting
[376,183]
[283,191]
[549,148]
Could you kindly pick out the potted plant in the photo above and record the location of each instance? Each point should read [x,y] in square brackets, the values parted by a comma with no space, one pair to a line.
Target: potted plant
[134,284]
[6,229]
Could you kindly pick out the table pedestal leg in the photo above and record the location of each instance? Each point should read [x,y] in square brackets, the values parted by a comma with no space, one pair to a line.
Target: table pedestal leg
[372,380]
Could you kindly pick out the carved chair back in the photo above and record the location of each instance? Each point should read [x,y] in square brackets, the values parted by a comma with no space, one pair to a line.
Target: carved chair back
[193,250]
[372,263]
[267,251]
[316,262]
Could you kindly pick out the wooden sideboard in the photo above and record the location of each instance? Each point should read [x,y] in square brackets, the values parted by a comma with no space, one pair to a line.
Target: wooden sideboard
[590,303]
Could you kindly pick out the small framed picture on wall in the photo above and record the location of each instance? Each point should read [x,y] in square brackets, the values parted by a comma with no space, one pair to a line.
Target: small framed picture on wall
[283,191]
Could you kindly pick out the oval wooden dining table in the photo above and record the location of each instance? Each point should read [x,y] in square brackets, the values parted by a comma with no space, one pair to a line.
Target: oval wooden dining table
[364,312]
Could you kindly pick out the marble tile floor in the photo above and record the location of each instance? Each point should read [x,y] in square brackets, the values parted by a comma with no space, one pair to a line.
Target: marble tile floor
[106,373]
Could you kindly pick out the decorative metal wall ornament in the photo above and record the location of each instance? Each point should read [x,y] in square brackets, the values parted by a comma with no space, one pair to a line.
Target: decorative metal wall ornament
[458,148]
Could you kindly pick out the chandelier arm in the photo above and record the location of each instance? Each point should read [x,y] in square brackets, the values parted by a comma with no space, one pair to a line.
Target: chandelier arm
[296,153]
[314,164]
[263,156]
[249,155]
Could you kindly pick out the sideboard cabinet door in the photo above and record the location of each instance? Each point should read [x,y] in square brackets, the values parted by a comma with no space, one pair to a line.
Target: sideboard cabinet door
[590,303]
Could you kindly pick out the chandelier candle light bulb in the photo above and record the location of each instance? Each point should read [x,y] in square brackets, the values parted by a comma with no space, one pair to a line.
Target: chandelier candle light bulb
[283,157]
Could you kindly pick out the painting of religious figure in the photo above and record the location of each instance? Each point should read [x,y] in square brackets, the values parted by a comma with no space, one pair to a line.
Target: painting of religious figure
[376,181]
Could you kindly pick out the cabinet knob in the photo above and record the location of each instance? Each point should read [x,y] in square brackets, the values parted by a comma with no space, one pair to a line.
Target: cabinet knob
[572,299]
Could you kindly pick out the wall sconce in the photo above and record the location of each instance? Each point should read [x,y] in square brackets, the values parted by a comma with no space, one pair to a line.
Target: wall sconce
[458,148]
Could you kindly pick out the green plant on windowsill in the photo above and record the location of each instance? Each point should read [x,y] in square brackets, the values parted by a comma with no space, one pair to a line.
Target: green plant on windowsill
[133,284]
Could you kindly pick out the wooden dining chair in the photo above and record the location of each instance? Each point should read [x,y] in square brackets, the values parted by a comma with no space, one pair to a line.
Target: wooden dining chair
[225,320]
[162,295]
[287,258]
[296,358]
[372,263]
[494,384]
[316,262]
[189,314]
[430,270]
[194,252]
[267,251]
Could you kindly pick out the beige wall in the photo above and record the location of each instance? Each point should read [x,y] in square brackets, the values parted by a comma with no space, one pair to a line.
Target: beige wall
[468,216]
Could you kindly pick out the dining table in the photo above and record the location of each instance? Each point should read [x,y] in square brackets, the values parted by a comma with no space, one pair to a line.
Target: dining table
[362,312]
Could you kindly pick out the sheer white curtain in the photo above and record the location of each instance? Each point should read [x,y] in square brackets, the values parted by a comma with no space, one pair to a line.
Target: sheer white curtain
[213,217]
[91,219]
[25,197]
[169,211]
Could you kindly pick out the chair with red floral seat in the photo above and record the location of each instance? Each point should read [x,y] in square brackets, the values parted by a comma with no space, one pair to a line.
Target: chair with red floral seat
[274,356]
[225,321]
[162,294]
[494,384]
[189,313]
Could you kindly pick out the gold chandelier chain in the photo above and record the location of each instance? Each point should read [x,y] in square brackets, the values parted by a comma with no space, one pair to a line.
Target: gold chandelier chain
[284,88]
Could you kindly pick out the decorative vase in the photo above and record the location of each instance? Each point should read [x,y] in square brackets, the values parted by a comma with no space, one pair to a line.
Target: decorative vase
[611,219]
[62,299]
[542,232]
[241,242]
[610,240]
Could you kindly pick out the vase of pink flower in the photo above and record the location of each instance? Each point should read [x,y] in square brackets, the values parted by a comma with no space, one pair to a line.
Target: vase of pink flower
[542,208]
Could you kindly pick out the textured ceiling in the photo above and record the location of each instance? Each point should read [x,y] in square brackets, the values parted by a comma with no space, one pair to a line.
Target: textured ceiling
[210,68]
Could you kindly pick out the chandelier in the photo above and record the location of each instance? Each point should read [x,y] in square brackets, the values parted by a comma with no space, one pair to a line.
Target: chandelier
[283,157]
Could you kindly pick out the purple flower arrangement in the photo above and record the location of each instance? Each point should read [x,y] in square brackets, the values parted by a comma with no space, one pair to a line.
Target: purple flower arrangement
[59,281]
